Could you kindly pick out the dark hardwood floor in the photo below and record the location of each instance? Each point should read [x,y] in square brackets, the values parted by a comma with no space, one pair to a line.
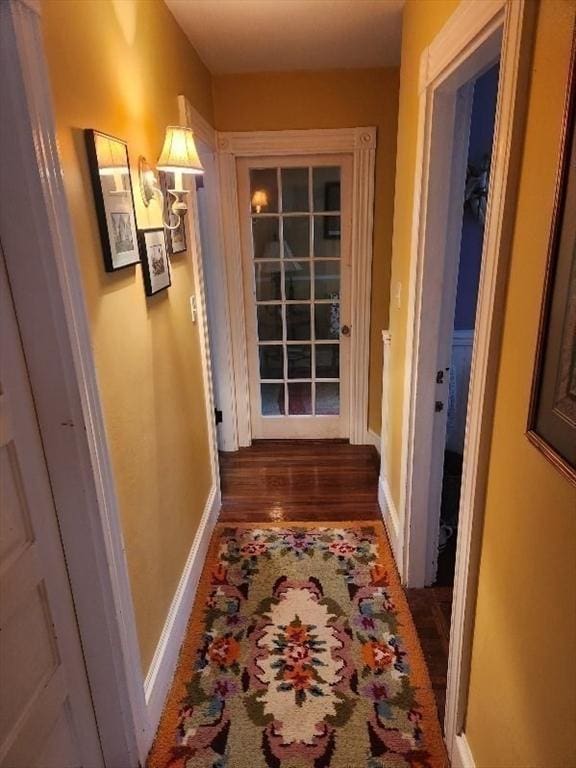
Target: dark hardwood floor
[431,610]
[307,480]
[300,480]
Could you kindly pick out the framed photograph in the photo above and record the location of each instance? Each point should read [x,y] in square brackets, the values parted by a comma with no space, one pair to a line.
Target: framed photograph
[110,174]
[155,266]
[332,203]
[175,238]
[552,417]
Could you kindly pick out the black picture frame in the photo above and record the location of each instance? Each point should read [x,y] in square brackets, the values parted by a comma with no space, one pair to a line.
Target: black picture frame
[155,262]
[114,201]
[552,412]
[175,238]
[332,203]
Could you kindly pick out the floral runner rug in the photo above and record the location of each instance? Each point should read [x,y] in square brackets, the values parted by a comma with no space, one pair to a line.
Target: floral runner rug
[300,653]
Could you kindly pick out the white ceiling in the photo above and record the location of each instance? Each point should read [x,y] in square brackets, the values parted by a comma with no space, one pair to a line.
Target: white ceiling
[284,35]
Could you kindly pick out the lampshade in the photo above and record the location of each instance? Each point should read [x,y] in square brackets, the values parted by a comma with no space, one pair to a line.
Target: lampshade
[272,251]
[111,156]
[259,199]
[179,153]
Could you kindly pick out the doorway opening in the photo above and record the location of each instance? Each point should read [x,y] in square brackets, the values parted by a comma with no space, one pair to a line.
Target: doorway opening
[288,275]
[431,604]
[462,332]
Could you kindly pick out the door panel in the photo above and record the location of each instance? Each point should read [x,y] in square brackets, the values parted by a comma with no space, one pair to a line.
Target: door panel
[295,222]
[46,715]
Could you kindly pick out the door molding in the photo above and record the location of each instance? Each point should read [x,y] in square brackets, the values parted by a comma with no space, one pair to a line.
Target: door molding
[473,38]
[361,144]
[205,132]
[221,351]
[46,285]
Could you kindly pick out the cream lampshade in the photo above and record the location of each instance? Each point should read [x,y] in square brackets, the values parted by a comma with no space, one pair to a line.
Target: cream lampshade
[179,153]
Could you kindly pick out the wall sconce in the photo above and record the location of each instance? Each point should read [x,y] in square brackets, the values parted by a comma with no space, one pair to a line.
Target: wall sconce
[179,155]
[259,200]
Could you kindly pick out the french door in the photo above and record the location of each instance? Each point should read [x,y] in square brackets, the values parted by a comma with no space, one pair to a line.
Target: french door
[295,224]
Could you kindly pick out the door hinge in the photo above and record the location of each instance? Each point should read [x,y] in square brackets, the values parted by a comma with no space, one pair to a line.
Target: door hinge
[440,377]
[438,406]
[218,416]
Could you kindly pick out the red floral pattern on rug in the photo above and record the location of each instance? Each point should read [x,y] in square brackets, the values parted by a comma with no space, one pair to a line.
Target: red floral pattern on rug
[302,659]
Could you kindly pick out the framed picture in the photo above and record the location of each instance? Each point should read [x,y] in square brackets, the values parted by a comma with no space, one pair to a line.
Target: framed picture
[332,203]
[155,266]
[175,238]
[110,174]
[552,417]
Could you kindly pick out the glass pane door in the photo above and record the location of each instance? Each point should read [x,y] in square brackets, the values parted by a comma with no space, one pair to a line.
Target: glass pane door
[296,236]
[295,227]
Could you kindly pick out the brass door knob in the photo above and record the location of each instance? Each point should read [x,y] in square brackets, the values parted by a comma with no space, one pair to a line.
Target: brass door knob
[345,330]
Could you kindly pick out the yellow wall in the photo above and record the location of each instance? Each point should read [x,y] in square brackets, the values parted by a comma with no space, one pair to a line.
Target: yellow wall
[118,66]
[422,21]
[522,706]
[300,100]
[522,699]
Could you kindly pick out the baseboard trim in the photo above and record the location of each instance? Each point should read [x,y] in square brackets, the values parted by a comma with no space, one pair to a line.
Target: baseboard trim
[391,521]
[373,439]
[461,753]
[163,666]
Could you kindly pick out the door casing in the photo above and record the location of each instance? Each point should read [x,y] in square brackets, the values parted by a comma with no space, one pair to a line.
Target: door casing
[360,143]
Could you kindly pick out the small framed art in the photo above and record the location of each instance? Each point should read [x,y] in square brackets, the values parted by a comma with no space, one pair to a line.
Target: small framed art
[552,417]
[175,238]
[155,266]
[110,173]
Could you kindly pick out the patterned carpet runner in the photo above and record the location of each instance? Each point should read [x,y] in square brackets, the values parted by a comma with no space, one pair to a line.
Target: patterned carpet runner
[300,653]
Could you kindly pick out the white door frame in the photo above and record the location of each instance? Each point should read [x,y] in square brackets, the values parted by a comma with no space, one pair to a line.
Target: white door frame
[216,285]
[361,144]
[195,250]
[475,36]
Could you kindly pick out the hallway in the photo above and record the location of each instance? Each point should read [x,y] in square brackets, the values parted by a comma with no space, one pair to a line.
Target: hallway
[270,556]
[309,480]
[248,230]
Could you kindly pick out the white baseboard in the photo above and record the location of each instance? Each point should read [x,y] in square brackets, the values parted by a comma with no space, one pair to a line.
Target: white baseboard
[373,439]
[461,753]
[391,521]
[163,666]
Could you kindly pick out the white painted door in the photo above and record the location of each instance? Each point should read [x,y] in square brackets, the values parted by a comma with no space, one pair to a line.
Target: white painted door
[208,200]
[46,715]
[295,223]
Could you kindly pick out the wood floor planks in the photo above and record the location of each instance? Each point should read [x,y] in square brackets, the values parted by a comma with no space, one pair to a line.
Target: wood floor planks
[300,480]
